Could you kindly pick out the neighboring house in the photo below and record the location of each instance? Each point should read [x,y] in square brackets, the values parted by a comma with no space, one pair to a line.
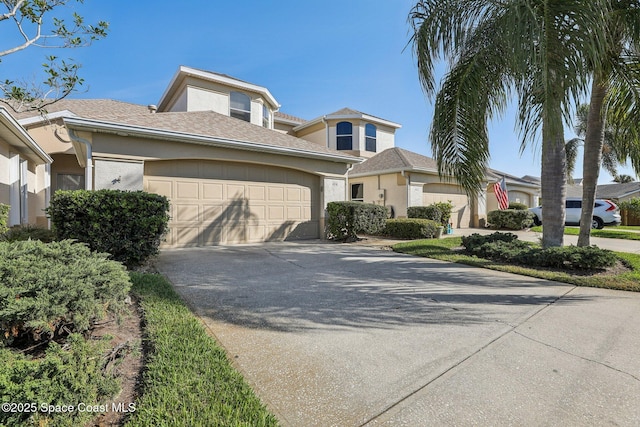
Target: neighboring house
[400,178]
[24,173]
[234,167]
[614,192]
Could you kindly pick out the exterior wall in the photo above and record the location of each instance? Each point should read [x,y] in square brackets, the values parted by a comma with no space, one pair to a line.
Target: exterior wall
[392,186]
[181,103]
[318,135]
[53,138]
[64,164]
[198,99]
[284,128]
[516,194]
[118,175]
[5,182]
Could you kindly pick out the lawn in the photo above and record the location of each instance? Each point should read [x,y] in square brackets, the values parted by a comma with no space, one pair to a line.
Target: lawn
[188,379]
[620,232]
[447,250]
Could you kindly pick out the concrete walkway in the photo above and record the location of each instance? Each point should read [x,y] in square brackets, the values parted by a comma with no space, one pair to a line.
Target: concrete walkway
[350,335]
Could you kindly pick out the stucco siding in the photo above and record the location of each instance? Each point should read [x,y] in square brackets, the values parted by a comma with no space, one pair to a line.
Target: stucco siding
[118,175]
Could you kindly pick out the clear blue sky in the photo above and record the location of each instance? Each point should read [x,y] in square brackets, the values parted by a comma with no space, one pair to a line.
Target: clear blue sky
[314,57]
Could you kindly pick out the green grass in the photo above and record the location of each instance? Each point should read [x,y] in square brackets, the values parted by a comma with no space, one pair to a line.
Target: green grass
[609,233]
[443,249]
[188,379]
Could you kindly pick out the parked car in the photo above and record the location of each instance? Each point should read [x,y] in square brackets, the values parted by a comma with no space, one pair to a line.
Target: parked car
[605,212]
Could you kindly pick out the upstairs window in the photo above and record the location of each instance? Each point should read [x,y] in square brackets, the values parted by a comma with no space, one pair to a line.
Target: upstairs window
[344,136]
[370,137]
[266,117]
[240,106]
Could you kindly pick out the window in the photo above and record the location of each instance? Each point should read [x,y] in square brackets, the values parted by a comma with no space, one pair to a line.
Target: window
[574,204]
[240,106]
[344,136]
[357,192]
[266,117]
[370,137]
[69,182]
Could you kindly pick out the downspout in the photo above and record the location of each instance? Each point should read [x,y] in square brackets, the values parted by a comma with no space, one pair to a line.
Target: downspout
[326,127]
[347,195]
[407,176]
[88,169]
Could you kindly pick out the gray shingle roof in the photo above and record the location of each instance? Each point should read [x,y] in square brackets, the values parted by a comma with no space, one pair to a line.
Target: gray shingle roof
[394,159]
[200,123]
[608,191]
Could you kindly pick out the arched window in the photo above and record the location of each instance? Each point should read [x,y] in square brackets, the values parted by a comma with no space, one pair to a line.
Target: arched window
[240,106]
[370,137]
[344,136]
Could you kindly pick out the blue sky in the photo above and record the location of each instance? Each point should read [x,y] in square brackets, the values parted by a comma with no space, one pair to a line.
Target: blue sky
[314,57]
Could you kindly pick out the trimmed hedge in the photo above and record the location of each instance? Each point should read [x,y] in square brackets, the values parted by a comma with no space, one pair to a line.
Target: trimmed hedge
[518,206]
[438,212]
[346,219]
[510,219]
[505,247]
[63,376]
[411,228]
[47,289]
[4,218]
[28,232]
[128,225]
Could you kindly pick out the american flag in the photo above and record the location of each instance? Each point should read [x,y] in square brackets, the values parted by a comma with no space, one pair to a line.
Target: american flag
[500,188]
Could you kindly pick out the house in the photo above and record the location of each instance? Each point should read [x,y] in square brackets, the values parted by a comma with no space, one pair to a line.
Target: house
[24,173]
[615,192]
[234,167]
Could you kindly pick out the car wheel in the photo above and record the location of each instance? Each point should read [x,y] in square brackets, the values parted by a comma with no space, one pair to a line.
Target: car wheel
[597,223]
[536,221]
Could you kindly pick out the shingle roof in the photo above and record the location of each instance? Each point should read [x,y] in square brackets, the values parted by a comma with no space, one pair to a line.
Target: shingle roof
[394,159]
[288,117]
[201,123]
[615,191]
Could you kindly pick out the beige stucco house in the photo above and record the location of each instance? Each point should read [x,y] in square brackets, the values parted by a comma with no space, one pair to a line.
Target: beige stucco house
[234,167]
[24,173]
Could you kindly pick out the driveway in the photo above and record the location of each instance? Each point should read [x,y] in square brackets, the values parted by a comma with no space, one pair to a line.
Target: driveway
[350,335]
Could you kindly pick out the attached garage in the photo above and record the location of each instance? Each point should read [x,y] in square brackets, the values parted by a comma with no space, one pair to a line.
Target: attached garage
[219,202]
[441,192]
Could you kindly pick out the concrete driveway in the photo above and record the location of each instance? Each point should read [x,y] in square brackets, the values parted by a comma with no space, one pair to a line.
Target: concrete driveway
[350,335]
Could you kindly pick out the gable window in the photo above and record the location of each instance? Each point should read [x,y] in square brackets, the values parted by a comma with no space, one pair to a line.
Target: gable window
[370,137]
[266,117]
[240,106]
[344,136]
[357,192]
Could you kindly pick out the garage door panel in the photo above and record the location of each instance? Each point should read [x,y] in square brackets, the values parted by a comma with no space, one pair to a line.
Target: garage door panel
[224,203]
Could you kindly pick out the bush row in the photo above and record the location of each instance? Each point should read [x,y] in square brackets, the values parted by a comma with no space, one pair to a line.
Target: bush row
[411,228]
[506,247]
[48,288]
[128,225]
[438,212]
[510,219]
[346,219]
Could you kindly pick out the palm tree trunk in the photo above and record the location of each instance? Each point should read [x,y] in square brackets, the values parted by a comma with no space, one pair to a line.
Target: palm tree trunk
[553,183]
[593,141]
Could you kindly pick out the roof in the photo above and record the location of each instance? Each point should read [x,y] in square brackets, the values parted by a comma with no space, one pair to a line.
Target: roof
[494,174]
[394,160]
[283,117]
[17,137]
[104,115]
[616,191]
[348,114]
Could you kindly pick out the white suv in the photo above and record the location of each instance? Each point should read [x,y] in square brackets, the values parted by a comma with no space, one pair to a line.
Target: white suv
[605,212]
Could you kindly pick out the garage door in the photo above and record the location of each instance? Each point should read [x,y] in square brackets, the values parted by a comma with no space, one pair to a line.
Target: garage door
[223,202]
[436,193]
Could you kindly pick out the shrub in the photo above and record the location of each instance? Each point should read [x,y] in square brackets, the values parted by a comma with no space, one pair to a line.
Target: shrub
[518,206]
[474,240]
[346,219]
[411,228]
[46,288]
[4,217]
[128,225]
[438,212]
[61,377]
[28,232]
[511,219]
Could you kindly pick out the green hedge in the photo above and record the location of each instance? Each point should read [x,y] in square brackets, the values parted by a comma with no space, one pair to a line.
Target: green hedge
[510,219]
[518,206]
[62,376]
[411,228]
[4,217]
[438,212]
[128,225]
[28,232]
[505,247]
[346,219]
[49,288]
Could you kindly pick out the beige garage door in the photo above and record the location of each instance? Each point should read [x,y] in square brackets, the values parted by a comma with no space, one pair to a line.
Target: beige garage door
[223,202]
[435,193]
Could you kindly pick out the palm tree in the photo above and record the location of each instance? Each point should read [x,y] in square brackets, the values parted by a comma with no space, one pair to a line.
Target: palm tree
[535,49]
[611,156]
[615,92]
[623,179]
